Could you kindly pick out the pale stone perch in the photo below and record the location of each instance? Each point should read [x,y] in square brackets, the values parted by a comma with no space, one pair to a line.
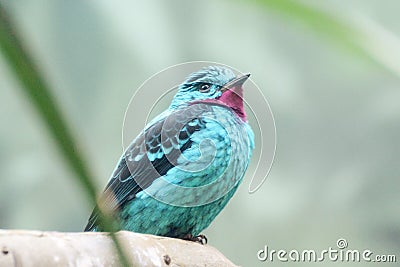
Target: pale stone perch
[35,248]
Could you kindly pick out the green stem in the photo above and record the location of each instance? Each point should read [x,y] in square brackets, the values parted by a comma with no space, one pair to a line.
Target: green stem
[38,92]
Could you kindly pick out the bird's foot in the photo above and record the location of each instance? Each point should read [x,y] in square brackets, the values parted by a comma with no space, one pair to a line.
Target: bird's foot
[202,239]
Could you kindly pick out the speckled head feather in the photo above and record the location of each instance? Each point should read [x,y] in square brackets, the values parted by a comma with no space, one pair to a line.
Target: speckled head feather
[213,84]
[213,74]
[203,84]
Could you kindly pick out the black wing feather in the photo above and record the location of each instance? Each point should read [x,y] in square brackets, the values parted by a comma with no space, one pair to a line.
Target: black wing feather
[127,181]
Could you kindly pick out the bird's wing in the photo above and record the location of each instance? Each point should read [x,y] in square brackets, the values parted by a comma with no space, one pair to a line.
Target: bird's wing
[150,156]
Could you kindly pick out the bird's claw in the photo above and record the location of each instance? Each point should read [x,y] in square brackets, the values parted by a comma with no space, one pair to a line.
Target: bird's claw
[202,239]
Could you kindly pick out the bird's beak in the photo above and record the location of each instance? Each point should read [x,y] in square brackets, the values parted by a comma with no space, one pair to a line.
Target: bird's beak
[237,82]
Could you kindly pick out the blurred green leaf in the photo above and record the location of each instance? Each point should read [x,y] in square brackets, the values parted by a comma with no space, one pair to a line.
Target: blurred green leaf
[362,37]
[39,93]
[317,20]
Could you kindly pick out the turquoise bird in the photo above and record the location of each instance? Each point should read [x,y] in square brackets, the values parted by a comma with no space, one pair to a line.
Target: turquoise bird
[183,168]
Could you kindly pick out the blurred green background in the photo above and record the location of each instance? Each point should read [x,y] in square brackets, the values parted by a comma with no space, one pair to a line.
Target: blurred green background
[329,70]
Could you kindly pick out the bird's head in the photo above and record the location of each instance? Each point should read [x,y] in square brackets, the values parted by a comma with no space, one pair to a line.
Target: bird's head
[213,84]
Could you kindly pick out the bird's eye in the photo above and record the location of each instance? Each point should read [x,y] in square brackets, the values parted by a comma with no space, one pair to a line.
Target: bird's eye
[204,88]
